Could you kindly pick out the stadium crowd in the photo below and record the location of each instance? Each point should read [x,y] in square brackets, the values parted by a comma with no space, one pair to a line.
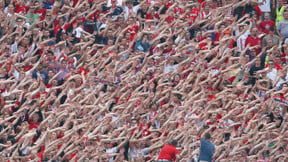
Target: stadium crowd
[116,80]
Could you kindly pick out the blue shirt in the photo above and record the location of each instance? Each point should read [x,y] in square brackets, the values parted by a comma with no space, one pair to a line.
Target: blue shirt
[141,46]
[48,5]
[206,150]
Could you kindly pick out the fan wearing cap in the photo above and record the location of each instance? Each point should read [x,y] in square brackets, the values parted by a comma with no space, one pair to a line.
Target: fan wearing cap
[227,33]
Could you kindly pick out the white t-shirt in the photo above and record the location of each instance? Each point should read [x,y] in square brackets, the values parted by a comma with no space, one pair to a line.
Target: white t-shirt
[169,68]
[111,151]
[78,31]
[214,72]
[16,74]
[109,4]
[241,41]
[272,74]
[127,11]
[282,80]
[265,7]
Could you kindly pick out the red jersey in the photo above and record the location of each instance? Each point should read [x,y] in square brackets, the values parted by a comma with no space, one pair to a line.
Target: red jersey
[253,42]
[22,9]
[266,25]
[41,12]
[133,31]
[169,153]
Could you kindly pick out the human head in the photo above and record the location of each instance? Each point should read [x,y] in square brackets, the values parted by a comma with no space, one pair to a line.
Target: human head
[272,31]
[174,143]
[254,32]
[285,14]
[207,136]
[266,16]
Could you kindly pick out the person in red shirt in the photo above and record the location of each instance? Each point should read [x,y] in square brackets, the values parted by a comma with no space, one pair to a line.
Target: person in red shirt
[39,10]
[20,7]
[266,24]
[169,153]
[254,41]
[193,14]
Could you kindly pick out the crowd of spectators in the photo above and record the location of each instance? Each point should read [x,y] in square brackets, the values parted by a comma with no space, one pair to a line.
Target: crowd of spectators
[116,80]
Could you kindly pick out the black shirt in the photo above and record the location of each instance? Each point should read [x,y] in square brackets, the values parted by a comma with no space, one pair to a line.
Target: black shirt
[142,13]
[253,71]
[242,10]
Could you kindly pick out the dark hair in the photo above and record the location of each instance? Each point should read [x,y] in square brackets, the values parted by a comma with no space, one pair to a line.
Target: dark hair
[272,29]
[174,143]
[207,136]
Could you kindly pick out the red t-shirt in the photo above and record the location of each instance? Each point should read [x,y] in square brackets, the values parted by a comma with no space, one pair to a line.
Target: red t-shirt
[266,25]
[168,152]
[133,31]
[22,9]
[253,42]
[41,12]
[258,12]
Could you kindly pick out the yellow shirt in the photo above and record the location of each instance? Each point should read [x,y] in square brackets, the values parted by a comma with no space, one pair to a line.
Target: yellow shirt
[279,15]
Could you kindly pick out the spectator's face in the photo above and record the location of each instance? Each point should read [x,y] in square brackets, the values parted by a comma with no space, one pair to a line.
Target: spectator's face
[11,8]
[61,22]
[50,56]
[130,21]
[145,38]
[130,5]
[253,53]
[270,43]
[222,27]
[110,42]
[63,64]
[177,78]
[127,36]
[19,21]
[121,49]
[285,15]
[134,123]
[266,16]
[271,64]
[247,58]
[254,32]
[35,118]
[246,74]
[257,61]
[144,6]
[48,16]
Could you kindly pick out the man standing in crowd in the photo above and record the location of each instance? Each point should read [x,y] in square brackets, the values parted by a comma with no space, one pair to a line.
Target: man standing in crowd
[207,149]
